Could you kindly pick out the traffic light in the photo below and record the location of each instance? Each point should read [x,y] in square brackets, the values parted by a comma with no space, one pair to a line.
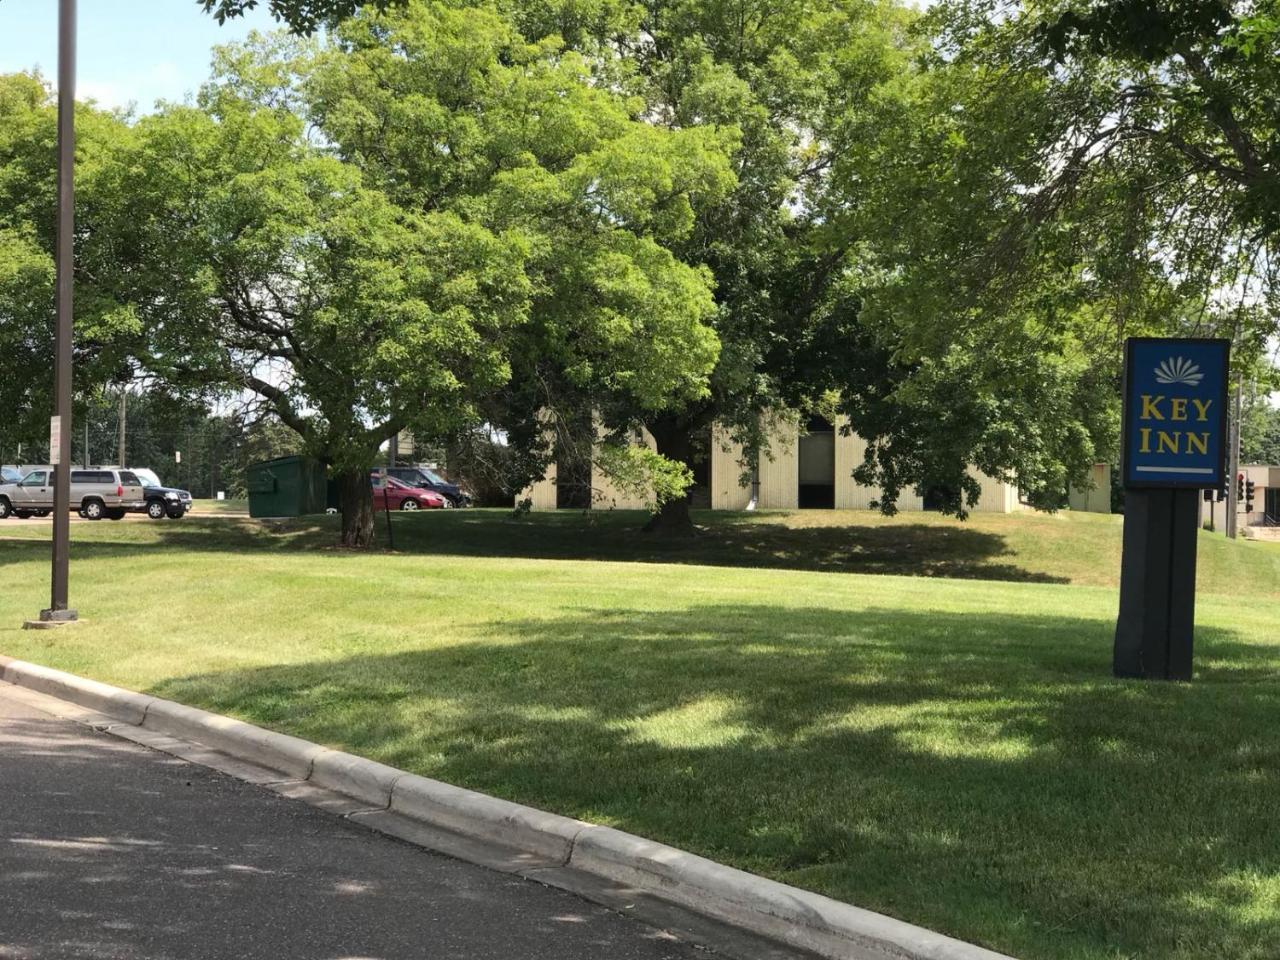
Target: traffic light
[1239,487]
[1248,496]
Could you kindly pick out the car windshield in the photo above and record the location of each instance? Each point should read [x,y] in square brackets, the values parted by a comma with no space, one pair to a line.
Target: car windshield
[432,476]
[9,476]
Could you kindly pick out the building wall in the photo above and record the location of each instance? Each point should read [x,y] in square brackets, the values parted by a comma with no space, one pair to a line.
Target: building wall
[1096,499]
[542,492]
[605,494]
[780,468]
[779,474]
[1263,476]
[727,490]
[851,495]
[996,496]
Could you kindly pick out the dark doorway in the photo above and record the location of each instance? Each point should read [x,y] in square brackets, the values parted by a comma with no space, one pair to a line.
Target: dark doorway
[700,492]
[573,469]
[936,497]
[817,457]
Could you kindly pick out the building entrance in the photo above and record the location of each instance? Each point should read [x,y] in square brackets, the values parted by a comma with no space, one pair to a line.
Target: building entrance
[817,458]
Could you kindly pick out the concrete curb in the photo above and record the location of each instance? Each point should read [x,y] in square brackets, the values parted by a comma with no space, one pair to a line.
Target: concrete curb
[113,701]
[278,751]
[786,914]
[480,815]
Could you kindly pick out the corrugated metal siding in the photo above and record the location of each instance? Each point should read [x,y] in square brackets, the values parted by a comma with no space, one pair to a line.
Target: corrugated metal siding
[605,494]
[996,497]
[1098,498]
[850,449]
[850,495]
[542,492]
[780,467]
[727,490]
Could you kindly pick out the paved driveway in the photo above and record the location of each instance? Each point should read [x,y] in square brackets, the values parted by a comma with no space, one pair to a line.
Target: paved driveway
[111,850]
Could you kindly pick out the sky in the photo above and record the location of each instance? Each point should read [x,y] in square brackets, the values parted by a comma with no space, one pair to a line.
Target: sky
[130,51]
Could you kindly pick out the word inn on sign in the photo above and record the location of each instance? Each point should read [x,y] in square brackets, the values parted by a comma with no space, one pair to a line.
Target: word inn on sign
[1175,412]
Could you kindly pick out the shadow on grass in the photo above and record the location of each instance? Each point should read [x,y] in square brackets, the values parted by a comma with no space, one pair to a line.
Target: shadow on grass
[726,539]
[979,774]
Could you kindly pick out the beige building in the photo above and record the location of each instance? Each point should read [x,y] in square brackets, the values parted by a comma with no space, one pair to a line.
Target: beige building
[1266,501]
[1097,497]
[808,466]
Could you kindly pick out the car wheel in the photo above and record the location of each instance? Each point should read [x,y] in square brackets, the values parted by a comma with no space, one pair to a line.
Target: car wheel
[93,510]
[5,509]
[115,514]
[409,505]
[447,503]
[155,509]
[42,513]
[22,514]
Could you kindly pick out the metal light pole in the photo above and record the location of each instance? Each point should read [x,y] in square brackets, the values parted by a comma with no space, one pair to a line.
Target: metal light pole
[1233,468]
[60,432]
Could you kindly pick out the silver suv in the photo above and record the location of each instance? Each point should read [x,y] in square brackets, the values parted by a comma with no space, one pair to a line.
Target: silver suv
[94,494]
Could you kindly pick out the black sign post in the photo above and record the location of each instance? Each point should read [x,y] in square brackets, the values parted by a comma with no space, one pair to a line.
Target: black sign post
[1175,430]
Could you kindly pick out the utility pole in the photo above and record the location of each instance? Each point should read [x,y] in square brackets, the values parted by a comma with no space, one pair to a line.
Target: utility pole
[1233,469]
[124,403]
[87,459]
[60,426]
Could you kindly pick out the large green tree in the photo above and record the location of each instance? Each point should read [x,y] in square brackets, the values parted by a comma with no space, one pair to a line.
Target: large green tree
[522,253]
[453,109]
[794,82]
[104,324]
[1043,192]
[259,264]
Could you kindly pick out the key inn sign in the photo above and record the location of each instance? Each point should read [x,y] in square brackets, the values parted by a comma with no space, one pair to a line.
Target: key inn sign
[1175,413]
[1175,445]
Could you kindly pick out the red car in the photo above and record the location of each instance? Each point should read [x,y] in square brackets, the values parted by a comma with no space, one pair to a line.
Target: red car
[393,494]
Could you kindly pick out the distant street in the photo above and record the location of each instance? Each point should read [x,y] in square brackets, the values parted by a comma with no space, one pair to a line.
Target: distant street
[110,850]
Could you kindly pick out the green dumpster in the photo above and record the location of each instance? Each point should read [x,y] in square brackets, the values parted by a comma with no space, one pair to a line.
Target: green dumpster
[287,487]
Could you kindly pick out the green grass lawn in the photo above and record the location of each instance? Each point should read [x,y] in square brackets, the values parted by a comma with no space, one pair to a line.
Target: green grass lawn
[946,749]
[219,507]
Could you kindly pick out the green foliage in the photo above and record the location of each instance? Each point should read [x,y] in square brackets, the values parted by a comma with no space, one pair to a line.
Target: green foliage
[103,322]
[1024,210]
[640,472]
[425,222]
[301,16]
[453,110]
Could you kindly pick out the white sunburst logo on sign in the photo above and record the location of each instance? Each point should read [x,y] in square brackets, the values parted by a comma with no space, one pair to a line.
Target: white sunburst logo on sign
[1179,370]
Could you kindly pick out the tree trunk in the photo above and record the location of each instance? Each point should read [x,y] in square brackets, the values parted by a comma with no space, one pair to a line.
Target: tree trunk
[355,498]
[672,519]
[672,437]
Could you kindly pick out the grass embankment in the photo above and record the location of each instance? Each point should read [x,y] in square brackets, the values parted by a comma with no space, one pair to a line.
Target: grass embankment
[952,752]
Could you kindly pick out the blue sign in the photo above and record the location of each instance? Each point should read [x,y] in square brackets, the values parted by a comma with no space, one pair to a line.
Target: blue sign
[1175,412]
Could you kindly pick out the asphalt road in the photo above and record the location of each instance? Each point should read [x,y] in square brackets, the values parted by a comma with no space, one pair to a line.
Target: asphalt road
[111,850]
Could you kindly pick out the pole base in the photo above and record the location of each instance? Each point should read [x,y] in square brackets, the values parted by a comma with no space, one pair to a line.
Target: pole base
[51,620]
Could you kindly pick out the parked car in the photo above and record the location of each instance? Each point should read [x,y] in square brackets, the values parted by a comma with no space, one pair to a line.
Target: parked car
[427,479]
[95,494]
[392,494]
[162,501]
